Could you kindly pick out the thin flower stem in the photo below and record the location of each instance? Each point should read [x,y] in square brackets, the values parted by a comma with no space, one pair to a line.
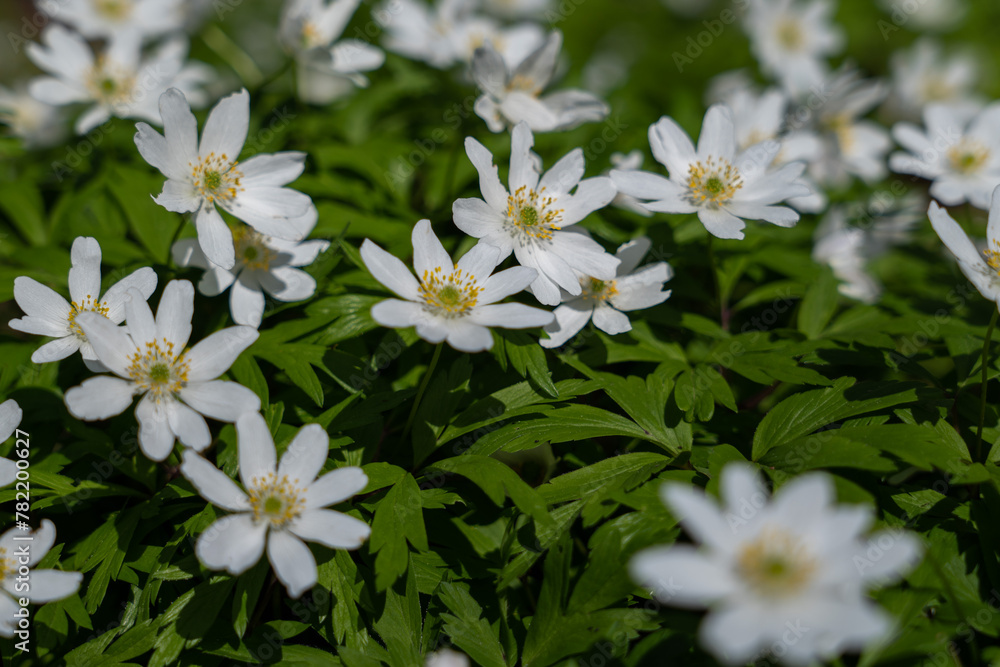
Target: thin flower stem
[422,389]
[714,268]
[982,388]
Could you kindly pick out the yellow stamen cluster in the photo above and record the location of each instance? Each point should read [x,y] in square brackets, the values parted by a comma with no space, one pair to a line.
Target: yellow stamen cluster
[789,34]
[110,84]
[968,156]
[7,565]
[252,250]
[993,256]
[938,89]
[216,178]
[776,564]
[116,10]
[713,182]
[159,369]
[87,305]
[452,295]
[523,84]
[311,36]
[276,500]
[532,213]
[598,290]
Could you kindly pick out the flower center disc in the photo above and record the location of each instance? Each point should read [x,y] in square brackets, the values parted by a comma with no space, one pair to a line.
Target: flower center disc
[110,84]
[159,369]
[713,182]
[276,500]
[968,157]
[252,249]
[531,215]
[453,295]
[776,564]
[215,177]
[598,290]
[790,35]
[115,10]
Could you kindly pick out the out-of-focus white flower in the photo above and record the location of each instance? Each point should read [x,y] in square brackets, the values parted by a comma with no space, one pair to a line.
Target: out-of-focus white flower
[792,38]
[102,19]
[38,124]
[448,32]
[10,419]
[607,301]
[852,145]
[328,67]
[446,658]
[49,314]
[842,248]
[281,505]
[959,150]
[531,218]
[982,269]
[926,15]
[762,117]
[513,9]
[263,264]
[179,386]
[795,561]
[511,96]
[206,174]
[117,81]
[923,75]
[456,303]
[721,184]
[45,585]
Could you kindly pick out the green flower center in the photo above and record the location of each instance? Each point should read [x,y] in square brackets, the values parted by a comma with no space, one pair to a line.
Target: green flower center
[108,86]
[213,180]
[529,217]
[449,295]
[714,185]
[273,505]
[159,373]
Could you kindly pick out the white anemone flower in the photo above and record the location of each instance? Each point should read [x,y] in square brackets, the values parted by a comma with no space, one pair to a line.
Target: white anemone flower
[762,117]
[512,95]
[202,176]
[530,219]
[843,249]
[923,75]
[118,82]
[982,269]
[446,658]
[281,505]
[49,314]
[18,549]
[926,15]
[263,264]
[38,124]
[101,19]
[177,385]
[791,40]
[796,566]
[10,420]
[327,67]
[607,301]
[722,185]
[959,151]
[448,32]
[852,145]
[451,302]
[511,9]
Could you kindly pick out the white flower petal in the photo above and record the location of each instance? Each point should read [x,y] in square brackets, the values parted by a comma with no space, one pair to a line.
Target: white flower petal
[156,439]
[682,575]
[85,274]
[564,174]
[99,398]
[700,516]
[718,135]
[273,170]
[306,455]
[332,529]
[522,167]
[51,585]
[37,300]
[173,315]
[428,253]
[246,300]
[111,343]
[180,197]
[591,195]
[611,321]
[141,323]
[10,418]
[390,271]
[489,180]
[8,472]
[41,326]
[180,130]
[671,147]
[8,621]
[292,561]
[143,279]
[519,107]
[335,487]
[214,236]
[644,185]
[468,336]
[510,316]
[478,219]
[735,634]
[234,543]
[56,350]
[225,130]
[398,314]
[510,281]
[258,457]
[584,255]
[479,263]
[719,223]
[279,212]
[212,484]
[570,318]
[213,356]
[189,426]
[220,400]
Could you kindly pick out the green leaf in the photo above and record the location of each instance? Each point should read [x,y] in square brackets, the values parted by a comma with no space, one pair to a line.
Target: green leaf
[818,305]
[398,518]
[467,628]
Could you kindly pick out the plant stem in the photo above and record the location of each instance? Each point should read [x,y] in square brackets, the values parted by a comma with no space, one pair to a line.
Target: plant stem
[714,268]
[423,387]
[982,388]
